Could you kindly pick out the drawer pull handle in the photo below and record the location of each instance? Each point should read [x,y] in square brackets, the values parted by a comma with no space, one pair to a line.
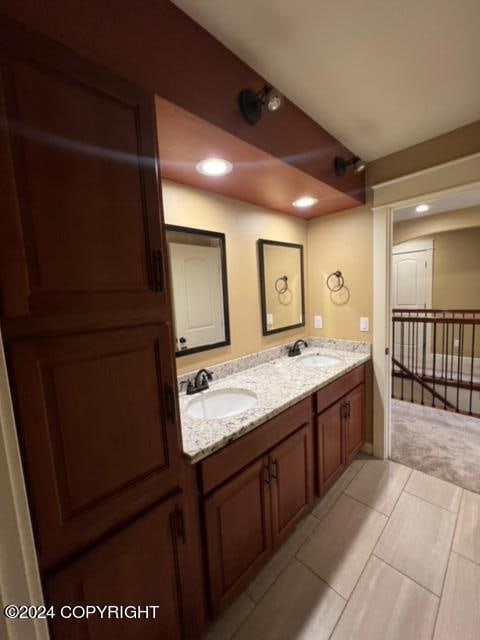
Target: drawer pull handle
[274,468]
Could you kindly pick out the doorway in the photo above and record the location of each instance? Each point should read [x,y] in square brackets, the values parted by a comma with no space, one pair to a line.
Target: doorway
[431,333]
[454,178]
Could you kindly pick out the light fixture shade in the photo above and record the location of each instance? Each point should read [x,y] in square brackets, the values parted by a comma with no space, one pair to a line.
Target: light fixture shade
[341,165]
[359,166]
[273,100]
[214,167]
[250,106]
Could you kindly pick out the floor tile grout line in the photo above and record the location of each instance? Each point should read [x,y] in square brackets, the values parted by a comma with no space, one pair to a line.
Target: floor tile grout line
[393,510]
[462,555]
[361,573]
[448,563]
[434,503]
[338,497]
[405,575]
[364,504]
[294,557]
[321,579]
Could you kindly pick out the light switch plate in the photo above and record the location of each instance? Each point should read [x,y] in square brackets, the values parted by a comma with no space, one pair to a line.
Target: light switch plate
[363,324]
[318,322]
[269,319]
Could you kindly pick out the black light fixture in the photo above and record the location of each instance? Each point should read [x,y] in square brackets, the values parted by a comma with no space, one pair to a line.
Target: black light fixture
[252,104]
[341,165]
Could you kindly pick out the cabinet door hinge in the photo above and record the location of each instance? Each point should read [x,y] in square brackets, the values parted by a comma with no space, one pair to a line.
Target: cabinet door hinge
[180,524]
[157,263]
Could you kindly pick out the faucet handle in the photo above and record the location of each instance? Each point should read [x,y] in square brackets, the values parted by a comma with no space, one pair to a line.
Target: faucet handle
[209,375]
[190,387]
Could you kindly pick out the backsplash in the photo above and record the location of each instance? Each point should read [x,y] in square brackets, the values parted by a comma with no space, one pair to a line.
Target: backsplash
[251,360]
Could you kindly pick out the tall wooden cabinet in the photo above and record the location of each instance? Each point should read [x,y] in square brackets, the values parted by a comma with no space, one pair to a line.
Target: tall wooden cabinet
[85,316]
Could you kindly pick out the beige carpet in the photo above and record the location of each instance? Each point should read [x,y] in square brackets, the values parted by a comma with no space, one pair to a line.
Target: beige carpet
[441,443]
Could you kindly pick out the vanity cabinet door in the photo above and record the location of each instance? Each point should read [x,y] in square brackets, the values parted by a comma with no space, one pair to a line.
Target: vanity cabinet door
[140,566]
[238,530]
[355,422]
[330,446]
[291,472]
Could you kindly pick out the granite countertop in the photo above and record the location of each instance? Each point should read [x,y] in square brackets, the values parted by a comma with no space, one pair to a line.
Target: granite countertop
[278,384]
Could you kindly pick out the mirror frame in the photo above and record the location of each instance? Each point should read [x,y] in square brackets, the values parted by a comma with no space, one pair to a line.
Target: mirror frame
[226,314]
[263,299]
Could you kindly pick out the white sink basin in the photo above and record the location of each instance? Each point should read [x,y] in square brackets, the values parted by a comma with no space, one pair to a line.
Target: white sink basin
[316,360]
[221,403]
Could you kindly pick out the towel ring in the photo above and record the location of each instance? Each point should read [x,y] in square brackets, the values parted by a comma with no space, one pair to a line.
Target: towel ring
[340,281]
[281,284]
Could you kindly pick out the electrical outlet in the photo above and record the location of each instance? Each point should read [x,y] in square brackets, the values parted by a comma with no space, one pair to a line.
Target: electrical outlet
[318,322]
[269,319]
[363,324]
[456,342]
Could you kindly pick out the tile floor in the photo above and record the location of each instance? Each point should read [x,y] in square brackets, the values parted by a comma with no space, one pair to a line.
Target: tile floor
[388,554]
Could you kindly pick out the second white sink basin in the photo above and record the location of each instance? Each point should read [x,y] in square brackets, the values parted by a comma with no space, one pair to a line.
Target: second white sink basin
[221,403]
[317,360]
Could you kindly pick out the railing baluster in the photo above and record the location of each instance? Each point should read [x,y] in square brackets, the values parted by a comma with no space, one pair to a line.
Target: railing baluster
[446,381]
[471,369]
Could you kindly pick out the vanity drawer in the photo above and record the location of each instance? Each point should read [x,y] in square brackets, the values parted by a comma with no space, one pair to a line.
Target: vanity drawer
[332,392]
[225,463]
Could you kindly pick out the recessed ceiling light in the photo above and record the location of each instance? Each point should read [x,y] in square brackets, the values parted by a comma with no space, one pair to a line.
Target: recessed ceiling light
[421,208]
[304,202]
[214,167]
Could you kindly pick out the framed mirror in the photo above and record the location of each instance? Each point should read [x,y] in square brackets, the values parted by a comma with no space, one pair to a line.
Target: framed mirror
[198,270]
[281,286]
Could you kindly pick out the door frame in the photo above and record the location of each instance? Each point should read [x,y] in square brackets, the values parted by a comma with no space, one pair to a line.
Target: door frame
[19,574]
[429,185]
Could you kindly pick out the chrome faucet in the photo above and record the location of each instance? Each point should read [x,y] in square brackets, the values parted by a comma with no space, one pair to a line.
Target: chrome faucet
[294,350]
[200,382]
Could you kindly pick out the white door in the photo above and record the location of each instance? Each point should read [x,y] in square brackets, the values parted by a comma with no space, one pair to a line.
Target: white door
[411,289]
[198,295]
[410,271]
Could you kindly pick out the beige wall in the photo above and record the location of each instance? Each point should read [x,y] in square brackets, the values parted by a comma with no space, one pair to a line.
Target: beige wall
[445,148]
[342,241]
[456,267]
[243,224]
[430,225]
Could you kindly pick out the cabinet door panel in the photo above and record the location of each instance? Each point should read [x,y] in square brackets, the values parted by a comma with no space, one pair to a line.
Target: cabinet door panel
[331,446]
[82,184]
[237,518]
[99,440]
[355,426]
[138,566]
[292,482]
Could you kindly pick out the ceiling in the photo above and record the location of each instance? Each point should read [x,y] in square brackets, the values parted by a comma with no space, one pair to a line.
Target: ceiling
[456,202]
[379,75]
[257,177]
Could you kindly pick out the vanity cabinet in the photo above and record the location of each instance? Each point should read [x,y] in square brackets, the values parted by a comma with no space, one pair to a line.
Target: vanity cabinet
[339,426]
[140,565]
[238,528]
[250,510]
